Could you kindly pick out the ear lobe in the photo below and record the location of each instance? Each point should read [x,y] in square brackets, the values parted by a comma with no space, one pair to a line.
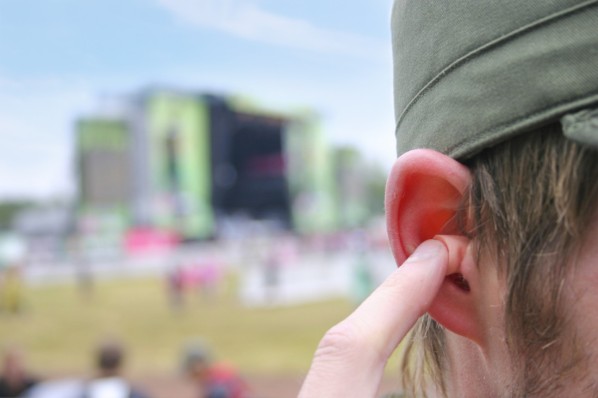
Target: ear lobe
[423,193]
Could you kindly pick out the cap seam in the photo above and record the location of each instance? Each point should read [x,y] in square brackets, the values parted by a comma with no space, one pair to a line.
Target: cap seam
[577,104]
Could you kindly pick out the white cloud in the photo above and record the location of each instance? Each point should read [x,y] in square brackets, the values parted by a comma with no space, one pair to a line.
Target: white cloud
[246,20]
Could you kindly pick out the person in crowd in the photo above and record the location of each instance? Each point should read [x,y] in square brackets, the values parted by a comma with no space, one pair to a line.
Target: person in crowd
[175,287]
[109,381]
[15,380]
[212,379]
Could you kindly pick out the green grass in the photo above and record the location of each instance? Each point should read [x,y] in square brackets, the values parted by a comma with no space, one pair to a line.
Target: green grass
[59,329]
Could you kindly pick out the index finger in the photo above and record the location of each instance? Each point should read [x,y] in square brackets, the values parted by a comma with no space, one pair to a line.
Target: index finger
[350,359]
[386,316]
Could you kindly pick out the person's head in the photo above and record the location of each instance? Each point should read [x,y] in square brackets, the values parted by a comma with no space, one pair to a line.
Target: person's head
[13,364]
[109,358]
[196,361]
[508,187]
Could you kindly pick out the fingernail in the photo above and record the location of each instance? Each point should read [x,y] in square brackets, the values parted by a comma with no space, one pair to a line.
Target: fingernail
[429,249]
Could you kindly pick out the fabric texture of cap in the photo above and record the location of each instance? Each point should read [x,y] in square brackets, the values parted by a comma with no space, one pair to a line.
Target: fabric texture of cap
[469,73]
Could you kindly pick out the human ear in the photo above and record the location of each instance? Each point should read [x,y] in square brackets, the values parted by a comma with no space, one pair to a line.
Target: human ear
[423,194]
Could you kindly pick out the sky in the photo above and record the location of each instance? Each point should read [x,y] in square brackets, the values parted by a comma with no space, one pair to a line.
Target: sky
[63,59]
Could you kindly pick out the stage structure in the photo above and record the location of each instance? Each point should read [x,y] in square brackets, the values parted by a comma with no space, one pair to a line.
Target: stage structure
[186,164]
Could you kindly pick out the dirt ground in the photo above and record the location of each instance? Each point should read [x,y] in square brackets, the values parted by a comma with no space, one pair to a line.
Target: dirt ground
[262,386]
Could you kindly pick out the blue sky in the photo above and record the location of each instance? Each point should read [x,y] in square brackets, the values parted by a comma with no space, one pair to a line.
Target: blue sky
[60,59]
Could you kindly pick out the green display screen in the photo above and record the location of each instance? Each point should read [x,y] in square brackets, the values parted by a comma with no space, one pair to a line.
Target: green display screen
[179,144]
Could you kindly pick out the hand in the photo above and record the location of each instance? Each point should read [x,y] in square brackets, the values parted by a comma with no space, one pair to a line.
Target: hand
[350,359]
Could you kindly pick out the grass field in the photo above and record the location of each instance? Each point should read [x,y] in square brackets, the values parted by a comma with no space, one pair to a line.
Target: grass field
[59,328]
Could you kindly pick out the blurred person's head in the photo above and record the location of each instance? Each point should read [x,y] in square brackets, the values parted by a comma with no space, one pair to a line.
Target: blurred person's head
[504,98]
[13,364]
[110,356]
[196,361]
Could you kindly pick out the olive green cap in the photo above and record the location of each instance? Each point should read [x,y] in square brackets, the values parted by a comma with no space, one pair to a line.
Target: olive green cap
[471,73]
